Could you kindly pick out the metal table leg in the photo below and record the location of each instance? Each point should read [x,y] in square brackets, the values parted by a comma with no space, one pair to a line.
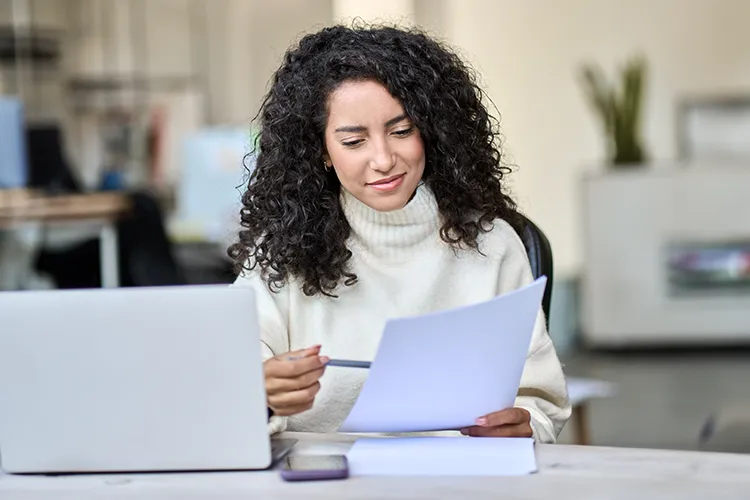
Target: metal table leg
[581,423]
[109,257]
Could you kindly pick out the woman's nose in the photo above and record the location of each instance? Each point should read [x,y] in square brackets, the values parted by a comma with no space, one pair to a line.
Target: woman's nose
[383,158]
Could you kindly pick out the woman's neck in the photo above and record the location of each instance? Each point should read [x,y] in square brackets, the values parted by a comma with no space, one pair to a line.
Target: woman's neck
[396,233]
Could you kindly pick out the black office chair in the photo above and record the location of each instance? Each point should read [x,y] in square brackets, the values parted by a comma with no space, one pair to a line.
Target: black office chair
[540,257]
[48,166]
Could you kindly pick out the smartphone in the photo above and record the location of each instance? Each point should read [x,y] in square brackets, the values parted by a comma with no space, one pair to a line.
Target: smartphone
[314,467]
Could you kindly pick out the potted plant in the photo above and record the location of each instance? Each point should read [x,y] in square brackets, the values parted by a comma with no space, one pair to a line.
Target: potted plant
[619,109]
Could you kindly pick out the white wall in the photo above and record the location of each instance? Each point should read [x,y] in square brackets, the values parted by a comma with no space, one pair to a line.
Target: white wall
[528,52]
[275,25]
[389,11]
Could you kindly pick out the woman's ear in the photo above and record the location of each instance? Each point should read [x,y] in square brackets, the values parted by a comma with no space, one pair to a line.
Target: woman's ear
[327,163]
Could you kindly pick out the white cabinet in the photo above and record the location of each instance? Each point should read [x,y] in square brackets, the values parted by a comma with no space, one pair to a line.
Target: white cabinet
[667,257]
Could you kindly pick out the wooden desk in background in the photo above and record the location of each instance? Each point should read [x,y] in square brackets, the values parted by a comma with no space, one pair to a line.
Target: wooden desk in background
[23,208]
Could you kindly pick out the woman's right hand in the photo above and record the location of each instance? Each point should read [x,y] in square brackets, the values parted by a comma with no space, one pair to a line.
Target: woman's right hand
[292,380]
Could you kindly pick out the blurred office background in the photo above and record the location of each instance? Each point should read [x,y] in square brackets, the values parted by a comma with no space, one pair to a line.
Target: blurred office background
[144,107]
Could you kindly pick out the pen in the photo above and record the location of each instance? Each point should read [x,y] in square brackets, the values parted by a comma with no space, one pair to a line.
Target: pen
[344,363]
[348,363]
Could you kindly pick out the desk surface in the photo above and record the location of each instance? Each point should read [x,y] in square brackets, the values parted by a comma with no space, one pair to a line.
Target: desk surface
[30,206]
[565,473]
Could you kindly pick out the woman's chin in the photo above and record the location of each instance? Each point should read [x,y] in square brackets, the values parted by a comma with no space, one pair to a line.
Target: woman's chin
[387,203]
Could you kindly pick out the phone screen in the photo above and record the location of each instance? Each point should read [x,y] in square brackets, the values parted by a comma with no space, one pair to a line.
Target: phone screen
[314,463]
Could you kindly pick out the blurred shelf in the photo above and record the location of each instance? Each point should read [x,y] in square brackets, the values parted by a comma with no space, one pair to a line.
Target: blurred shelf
[33,44]
[142,82]
[104,93]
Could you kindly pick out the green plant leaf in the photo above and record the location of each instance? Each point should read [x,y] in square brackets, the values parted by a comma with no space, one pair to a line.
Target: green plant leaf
[618,107]
[596,88]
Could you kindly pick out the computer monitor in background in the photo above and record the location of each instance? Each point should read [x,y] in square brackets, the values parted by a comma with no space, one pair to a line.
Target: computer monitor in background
[13,153]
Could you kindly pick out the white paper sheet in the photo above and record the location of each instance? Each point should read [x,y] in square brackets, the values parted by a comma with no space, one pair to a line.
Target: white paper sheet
[443,370]
[441,456]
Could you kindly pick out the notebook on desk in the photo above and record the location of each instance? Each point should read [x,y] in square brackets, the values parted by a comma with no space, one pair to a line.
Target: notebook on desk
[442,456]
[132,379]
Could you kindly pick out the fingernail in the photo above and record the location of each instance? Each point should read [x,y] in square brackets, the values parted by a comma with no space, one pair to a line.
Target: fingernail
[324,359]
[481,421]
[464,431]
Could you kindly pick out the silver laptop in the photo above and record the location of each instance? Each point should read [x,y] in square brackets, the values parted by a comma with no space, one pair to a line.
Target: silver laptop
[132,379]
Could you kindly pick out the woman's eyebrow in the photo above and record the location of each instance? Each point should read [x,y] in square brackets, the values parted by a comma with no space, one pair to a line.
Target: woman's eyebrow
[395,120]
[353,129]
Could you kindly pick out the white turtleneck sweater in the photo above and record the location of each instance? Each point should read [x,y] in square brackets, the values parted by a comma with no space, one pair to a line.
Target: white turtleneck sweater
[404,269]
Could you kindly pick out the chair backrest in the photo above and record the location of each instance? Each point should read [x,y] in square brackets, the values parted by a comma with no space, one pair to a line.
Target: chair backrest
[48,167]
[540,257]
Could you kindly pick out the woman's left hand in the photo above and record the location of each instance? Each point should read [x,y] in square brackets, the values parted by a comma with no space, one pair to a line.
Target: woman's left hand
[513,422]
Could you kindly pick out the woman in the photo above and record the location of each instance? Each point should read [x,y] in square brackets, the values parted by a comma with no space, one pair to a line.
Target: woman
[378,193]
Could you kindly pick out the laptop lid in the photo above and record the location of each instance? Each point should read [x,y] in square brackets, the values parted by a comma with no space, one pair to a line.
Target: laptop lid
[135,379]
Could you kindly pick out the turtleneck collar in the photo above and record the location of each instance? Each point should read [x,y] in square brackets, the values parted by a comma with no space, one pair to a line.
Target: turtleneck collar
[394,234]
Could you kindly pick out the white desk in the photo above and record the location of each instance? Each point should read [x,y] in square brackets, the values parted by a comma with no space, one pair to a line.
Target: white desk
[565,472]
[581,392]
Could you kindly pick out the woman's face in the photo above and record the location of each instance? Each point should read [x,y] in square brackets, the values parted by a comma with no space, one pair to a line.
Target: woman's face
[376,151]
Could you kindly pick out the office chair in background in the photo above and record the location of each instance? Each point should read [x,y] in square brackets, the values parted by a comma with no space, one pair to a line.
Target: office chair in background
[540,257]
[48,169]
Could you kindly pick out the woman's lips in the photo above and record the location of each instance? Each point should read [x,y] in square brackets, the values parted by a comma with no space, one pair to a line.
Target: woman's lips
[388,183]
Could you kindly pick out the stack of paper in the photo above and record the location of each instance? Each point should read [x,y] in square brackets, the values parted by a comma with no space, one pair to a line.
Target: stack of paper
[442,371]
[442,456]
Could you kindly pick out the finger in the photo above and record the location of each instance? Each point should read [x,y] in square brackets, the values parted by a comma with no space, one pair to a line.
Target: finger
[295,398]
[277,385]
[287,410]
[518,430]
[509,416]
[292,410]
[275,368]
[299,353]
[289,356]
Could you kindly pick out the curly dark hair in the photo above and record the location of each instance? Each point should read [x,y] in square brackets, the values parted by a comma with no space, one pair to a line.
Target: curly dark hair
[292,220]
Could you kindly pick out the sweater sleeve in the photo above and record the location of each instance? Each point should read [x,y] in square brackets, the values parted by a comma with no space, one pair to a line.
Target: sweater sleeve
[272,311]
[543,390]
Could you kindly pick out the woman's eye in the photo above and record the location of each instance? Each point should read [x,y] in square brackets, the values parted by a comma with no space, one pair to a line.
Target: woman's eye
[404,132]
[353,143]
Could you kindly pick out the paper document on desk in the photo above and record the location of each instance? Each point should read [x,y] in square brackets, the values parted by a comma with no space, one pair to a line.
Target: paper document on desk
[441,456]
[443,370]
